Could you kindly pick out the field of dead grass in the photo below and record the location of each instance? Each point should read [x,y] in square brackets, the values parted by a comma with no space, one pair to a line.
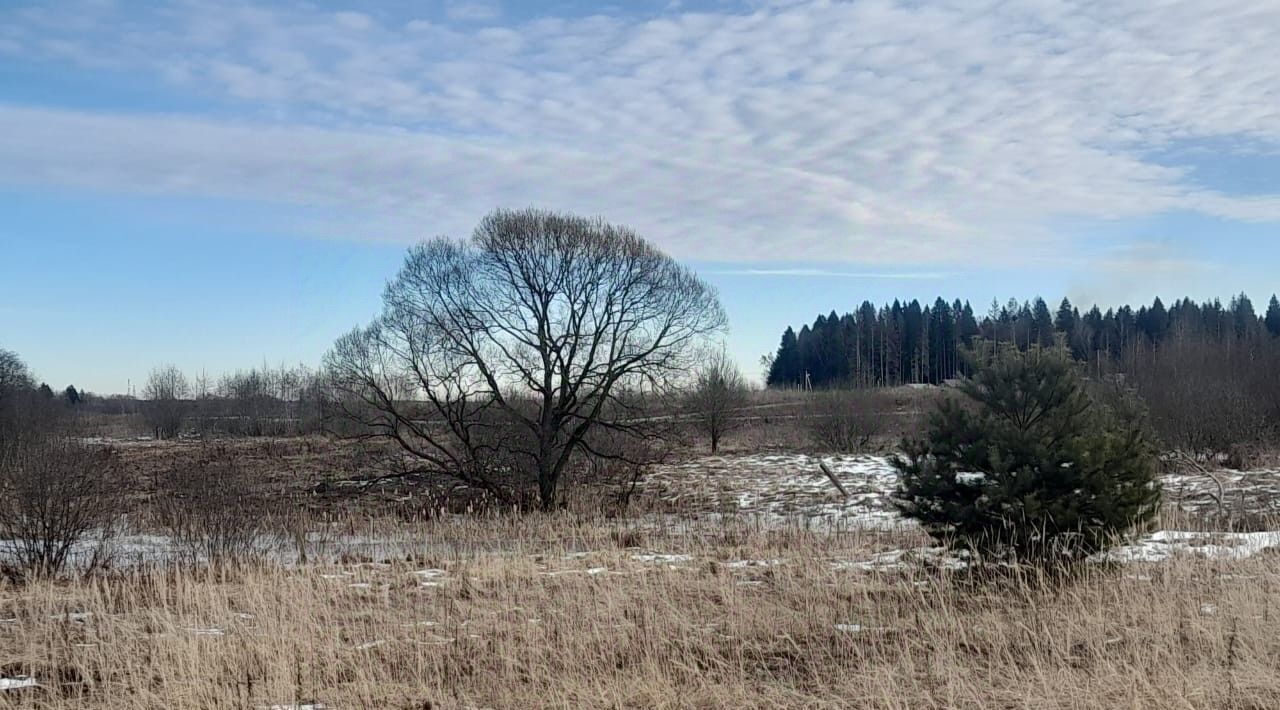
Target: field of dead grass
[565,611]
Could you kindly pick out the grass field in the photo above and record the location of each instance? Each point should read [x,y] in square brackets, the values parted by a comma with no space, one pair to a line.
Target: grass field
[561,611]
[740,580]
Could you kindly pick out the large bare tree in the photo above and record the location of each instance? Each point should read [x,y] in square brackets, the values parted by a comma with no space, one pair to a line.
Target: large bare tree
[500,359]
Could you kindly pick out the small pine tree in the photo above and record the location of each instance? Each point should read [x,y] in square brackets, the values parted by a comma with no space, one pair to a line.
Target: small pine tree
[1032,466]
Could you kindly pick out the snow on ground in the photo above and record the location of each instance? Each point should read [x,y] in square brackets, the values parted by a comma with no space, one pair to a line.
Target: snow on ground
[17,683]
[791,485]
[1163,544]
[897,560]
[1252,492]
[661,559]
[782,485]
[780,489]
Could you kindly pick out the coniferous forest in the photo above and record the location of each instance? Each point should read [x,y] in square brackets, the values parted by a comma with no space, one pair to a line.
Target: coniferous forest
[907,343]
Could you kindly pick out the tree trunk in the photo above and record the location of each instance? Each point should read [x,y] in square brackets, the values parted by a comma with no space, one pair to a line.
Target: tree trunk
[546,487]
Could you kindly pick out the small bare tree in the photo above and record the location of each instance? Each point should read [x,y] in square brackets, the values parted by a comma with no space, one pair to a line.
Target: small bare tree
[495,358]
[167,405]
[718,397]
[54,494]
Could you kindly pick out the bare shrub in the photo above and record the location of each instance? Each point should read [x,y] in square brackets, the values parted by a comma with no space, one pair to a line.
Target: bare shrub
[846,421]
[718,397]
[619,460]
[54,495]
[167,405]
[209,509]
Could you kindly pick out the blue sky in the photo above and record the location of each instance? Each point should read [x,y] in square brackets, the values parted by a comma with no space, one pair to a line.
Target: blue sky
[219,184]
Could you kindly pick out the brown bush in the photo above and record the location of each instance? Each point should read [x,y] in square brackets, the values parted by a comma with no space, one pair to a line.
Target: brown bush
[846,421]
[210,510]
[56,496]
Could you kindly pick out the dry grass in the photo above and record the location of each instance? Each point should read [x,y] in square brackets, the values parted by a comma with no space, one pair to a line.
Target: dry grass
[564,612]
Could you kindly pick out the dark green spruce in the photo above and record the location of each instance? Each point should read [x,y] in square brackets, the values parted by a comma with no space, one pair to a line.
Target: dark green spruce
[1030,463]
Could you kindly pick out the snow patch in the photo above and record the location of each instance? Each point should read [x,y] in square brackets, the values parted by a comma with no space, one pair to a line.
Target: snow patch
[782,486]
[17,683]
[1164,544]
[662,559]
[898,560]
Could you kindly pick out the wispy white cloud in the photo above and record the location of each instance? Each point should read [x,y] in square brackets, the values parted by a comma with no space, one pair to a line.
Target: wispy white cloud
[473,11]
[904,276]
[878,132]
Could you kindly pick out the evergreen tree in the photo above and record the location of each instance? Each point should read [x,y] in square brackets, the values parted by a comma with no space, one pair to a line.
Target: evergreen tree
[786,364]
[913,342]
[904,342]
[1023,323]
[868,354]
[969,328]
[1042,323]
[72,395]
[1273,317]
[1244,318]
[1065,321]
[1157,321]
[943,337]
[807,342]
[893,344]
[1037,467]
[45,391]
[833,365]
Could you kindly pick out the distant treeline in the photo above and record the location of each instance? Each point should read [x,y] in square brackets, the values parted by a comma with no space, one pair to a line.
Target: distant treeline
[907,343]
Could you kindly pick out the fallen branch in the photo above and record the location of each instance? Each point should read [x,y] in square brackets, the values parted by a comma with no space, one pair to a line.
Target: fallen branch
[1221,491]
[832,477]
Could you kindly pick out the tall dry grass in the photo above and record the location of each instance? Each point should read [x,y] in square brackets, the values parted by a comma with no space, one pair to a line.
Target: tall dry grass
[560,611]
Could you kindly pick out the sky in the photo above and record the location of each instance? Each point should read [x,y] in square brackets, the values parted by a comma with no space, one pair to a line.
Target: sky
[220,185]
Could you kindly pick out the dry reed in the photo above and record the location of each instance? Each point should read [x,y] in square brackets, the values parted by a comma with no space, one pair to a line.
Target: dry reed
[560,611]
